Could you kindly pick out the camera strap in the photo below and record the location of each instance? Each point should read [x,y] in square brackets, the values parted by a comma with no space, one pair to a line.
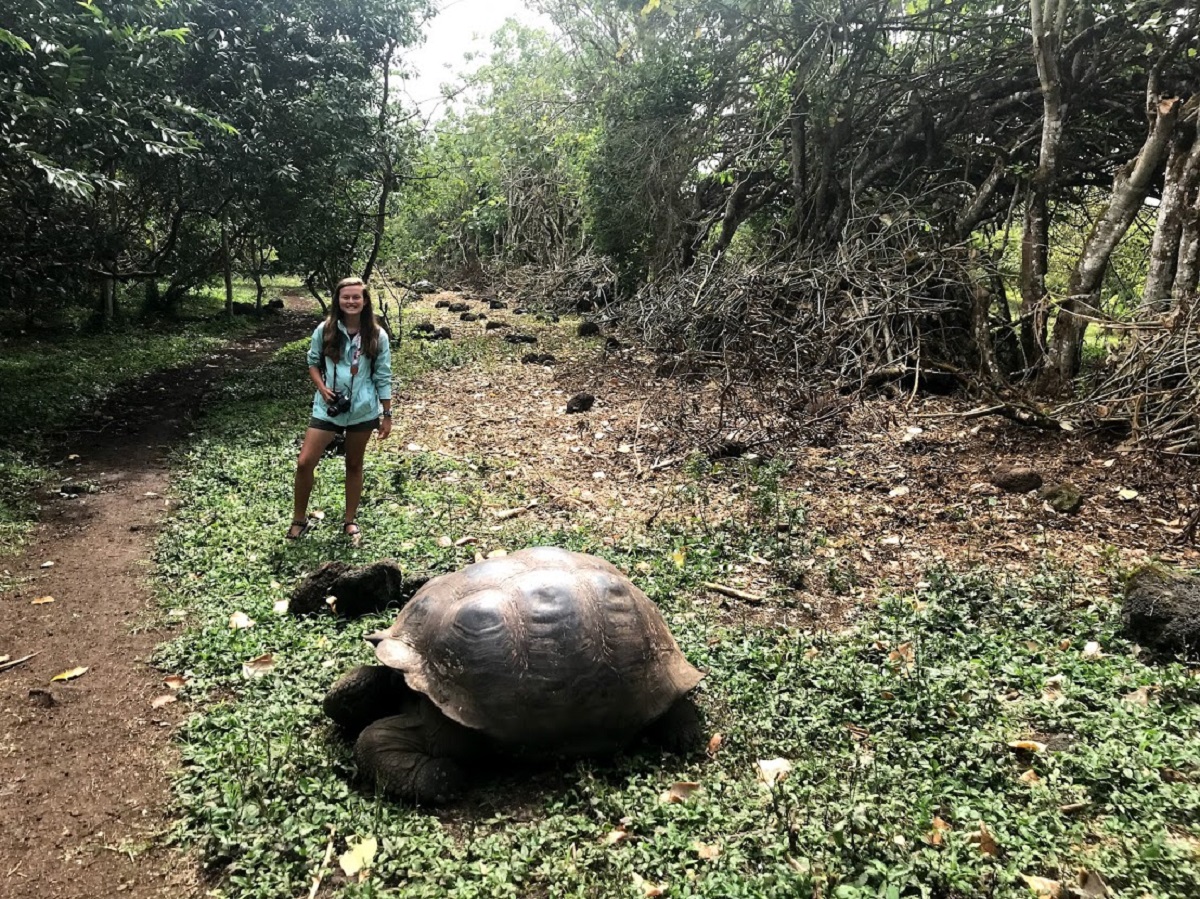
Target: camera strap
[355,355]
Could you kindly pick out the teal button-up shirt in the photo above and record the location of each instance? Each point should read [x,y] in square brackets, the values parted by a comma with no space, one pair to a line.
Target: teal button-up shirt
[372,383]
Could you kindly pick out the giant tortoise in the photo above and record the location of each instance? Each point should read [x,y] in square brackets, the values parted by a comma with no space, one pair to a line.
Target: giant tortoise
[543,652]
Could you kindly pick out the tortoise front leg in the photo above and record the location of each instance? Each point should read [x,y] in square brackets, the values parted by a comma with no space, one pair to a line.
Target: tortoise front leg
[415,756]
[365,694]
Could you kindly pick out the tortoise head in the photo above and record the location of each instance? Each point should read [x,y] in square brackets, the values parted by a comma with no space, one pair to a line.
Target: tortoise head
[394,652]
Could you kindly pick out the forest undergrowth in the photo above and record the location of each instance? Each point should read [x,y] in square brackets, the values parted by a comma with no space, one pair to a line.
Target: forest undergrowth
[983,732]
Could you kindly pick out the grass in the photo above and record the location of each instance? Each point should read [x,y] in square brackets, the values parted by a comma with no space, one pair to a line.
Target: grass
[898,733]
[53,379]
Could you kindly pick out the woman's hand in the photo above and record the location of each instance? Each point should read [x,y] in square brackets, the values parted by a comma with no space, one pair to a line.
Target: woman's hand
[385,428]
[326,393]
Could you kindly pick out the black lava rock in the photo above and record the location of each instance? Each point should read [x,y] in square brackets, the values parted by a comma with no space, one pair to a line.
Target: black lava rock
[580,402]
[1161,610]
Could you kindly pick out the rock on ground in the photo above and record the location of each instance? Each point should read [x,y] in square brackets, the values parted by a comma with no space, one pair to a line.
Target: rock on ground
[356,591]
[1161,610]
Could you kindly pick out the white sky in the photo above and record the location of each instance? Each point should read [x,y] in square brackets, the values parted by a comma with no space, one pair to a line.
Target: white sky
[461,26]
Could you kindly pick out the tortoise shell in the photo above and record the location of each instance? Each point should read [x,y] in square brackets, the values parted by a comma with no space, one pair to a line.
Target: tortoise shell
[544,648]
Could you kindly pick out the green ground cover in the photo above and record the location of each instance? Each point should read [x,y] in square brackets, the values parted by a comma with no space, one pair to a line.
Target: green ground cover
[902,783]
[52,379]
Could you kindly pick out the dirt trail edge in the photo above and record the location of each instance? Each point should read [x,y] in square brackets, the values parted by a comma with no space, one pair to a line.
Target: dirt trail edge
[84,762]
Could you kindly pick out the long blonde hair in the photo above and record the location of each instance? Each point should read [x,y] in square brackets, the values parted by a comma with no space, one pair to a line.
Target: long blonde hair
[367,326]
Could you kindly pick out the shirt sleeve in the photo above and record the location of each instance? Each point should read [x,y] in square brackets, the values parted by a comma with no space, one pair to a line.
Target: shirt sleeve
[314,347]
[383,367]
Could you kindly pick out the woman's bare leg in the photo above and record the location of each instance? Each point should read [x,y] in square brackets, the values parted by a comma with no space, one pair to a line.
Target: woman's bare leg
[356,449]
[315,442]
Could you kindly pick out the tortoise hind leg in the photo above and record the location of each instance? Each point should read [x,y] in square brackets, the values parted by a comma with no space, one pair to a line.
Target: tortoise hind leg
[680,729]
[416,756]
[365,694]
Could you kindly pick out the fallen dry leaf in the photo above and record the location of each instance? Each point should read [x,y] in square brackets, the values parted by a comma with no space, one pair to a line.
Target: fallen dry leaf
[1140,696]
[899,491]
[1052,691]
[1092,650]
[280,607]
[937,830]
[1029,777]
[1091,886]
[175,681]
[772,771]
[444,541]
[159,701]
[70,674]
[1027,745]
[986,842]
[714,743]
[706,851]
[902,657]
[497,554]
[42,600]
[811,653]
[318,515]
[648,888]
[680,791]
[47,565]
[1127,494]
[358,858]
[259,666]
[615,836]
[1064,644]
[240,621]
[1043,887]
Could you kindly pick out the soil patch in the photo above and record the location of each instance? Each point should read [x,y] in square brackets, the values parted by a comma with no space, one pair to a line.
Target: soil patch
[84,762]
[884,489]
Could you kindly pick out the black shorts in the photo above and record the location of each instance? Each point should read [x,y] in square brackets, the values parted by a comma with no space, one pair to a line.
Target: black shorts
[371,424]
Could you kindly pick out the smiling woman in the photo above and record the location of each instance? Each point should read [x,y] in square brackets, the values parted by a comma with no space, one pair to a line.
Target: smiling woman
[345,404]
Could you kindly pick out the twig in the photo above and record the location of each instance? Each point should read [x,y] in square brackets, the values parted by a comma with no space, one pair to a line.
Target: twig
[971,413]
[666,463]
[506,514]
[637,431]
[21,661]
[324,864]
[1188,534]
[732,592]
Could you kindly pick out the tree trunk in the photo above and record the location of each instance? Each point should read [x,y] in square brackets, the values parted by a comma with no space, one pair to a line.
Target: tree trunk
[385,187]
[1047,23]
[228,266]
[1187,269]
[108,299]
[1129,191]
[1182,176]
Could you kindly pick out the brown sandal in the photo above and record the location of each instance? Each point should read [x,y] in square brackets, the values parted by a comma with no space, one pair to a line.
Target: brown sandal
[355,536]
[303,529]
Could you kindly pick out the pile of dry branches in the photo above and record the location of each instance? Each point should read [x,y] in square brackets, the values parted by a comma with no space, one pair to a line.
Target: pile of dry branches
[1154,388]
[561,288]
[882,305]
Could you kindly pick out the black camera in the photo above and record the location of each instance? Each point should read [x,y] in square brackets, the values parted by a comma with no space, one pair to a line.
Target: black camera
[339,404]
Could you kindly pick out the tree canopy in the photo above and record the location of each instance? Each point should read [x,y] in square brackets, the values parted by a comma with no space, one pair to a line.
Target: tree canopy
[153,142]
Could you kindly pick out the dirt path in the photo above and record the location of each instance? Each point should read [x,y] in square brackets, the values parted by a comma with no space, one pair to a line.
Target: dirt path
[84,763]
